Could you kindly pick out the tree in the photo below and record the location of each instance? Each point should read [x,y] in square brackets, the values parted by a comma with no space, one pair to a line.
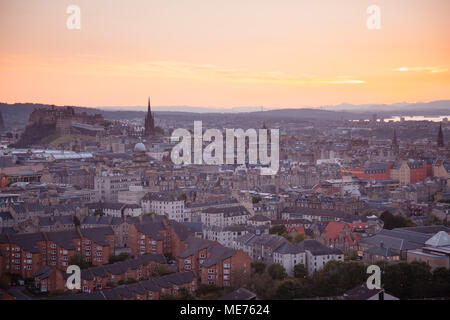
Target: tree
[256,199]
[162,269]
[78,259]
[290,289]
[183,197]
[391,221]
[278,229]
[300,271]
[264,286]
[120,257]
[76,221]
[258,267]
[5,282]
[433,220]
[337,277]
[299,237]
[277,271]
[98,212]
[408,280]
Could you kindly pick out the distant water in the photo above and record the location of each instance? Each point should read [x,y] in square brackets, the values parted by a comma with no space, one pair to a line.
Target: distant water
[418,118]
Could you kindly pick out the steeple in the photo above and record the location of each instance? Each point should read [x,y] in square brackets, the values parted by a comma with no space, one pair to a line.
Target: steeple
[440,137]
[395,147]
[149,121]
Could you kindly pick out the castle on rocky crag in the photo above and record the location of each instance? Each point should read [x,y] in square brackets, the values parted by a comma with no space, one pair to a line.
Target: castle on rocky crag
[59,121]
[63,118]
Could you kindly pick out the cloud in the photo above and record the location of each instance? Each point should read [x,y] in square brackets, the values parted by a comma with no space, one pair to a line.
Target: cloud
[421,69]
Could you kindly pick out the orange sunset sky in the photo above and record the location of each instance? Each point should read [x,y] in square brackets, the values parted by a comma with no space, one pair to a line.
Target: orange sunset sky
[286,53]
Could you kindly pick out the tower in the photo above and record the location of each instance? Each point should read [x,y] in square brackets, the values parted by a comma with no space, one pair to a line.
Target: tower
[395,147]
[440,137]
[149,121]
[2,124]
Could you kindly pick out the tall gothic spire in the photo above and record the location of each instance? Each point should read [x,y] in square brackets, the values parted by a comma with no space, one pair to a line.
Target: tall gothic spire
[149,121]
[440,137]
[395,147]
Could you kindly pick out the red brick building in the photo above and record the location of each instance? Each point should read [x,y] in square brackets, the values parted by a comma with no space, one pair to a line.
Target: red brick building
[26,253]
[222,264]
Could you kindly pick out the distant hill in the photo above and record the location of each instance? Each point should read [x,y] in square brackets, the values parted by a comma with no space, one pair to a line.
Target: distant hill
[16,115]
[433,108]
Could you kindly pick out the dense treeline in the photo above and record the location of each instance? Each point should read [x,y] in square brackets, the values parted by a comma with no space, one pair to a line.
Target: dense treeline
[404,280]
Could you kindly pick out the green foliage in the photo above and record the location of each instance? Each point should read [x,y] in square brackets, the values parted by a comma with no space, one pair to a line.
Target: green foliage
[59,292]
[5,282]
[407,280]
[258,267]
[337,277]
[120,257]
[256,199]
[76,221]
[130,281]
[278,229]
[77,259]
[391,221]
[185,294]
[162,269]
[299,237]
[433,220]
[277,271]
[300,271]
[211,292]
[183,196]
[264,286]
[290,289]
[98,212]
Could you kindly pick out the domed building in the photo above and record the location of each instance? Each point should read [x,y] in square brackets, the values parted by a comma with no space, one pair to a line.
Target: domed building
[139,147]
[140,157]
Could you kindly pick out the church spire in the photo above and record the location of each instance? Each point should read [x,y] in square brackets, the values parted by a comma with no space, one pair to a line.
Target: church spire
[395,146]
[149,121]
[440,138]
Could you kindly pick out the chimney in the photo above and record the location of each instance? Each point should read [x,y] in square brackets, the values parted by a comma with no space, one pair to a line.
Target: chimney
[381,295]
[381,244]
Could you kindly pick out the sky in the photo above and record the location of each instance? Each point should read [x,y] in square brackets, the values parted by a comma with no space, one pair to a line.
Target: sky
[277,54]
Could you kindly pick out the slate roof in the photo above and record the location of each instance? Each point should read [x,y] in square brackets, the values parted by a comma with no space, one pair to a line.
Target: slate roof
[217,254]
[64,239]
[160,196]
[361,293]
[381,251]
[180,230]
[43,272]
[239,294]
[27,241]
[150,229]
[228,211]
[194,245]
[288,248]
[316,248]
[98,235]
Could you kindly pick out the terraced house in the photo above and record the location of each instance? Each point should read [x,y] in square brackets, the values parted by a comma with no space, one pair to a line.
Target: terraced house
[223,217]
[26,253]
[158,236]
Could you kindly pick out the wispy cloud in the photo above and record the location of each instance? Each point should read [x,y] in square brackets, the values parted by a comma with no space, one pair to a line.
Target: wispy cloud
[421,69]
[209,71]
